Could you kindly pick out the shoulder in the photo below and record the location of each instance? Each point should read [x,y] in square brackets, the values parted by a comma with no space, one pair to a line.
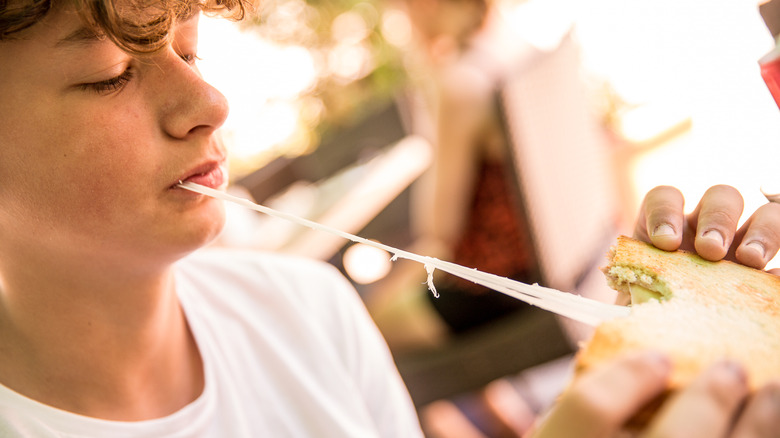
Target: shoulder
[281,299]
[239,263]
[252,281]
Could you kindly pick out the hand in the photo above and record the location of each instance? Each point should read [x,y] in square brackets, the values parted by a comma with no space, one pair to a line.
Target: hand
[603,400]
[711,230]
[713,407]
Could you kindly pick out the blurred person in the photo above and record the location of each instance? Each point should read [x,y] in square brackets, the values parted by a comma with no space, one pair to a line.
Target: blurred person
[465,208]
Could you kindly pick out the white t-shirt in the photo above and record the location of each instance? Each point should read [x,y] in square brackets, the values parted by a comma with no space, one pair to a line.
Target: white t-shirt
[288,351]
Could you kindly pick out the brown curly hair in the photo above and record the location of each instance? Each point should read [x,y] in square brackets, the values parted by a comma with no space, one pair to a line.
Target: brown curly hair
[138,26]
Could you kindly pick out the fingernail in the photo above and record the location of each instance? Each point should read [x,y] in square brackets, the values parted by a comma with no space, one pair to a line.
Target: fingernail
[732,371]
[657,361]
[773,396]
[663,230]
[757,247]
[715,236]
[768,402]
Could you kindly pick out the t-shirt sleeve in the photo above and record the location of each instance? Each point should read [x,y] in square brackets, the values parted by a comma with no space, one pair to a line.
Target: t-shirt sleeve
[368,358]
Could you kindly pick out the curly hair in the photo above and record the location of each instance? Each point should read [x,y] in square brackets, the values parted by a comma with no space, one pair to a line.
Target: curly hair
[138,26]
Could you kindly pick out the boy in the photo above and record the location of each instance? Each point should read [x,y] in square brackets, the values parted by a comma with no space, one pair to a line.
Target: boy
[103,112]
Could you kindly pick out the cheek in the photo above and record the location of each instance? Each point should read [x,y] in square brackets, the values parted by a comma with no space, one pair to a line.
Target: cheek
[110,143]
[75,161]
[110,159]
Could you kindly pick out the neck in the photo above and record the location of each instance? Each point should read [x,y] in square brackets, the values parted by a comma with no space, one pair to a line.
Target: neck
[115,341]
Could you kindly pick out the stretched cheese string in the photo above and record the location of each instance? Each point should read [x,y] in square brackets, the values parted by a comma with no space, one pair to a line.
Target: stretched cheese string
[572,306]
[429,268]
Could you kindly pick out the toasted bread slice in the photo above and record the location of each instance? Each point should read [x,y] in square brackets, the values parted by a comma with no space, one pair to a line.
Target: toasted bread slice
[698,312]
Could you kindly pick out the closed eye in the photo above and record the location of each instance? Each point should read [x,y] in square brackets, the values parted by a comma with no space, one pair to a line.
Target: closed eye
[189,58]
[109,85]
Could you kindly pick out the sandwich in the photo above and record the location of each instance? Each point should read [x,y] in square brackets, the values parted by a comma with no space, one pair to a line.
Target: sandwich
[696,311]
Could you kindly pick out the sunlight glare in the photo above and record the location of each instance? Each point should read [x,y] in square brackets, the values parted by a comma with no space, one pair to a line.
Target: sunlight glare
[261,81]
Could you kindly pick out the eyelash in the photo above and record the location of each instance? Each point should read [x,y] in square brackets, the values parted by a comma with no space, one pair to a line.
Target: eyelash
[189,58]
[110,85]
[116,83]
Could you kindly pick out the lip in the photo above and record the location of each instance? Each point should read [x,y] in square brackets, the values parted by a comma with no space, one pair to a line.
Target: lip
[210,174]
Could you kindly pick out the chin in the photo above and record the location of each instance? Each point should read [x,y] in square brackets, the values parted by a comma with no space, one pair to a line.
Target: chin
[215,226]
[205,229]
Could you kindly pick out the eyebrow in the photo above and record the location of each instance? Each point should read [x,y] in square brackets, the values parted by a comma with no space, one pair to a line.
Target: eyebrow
[82,35]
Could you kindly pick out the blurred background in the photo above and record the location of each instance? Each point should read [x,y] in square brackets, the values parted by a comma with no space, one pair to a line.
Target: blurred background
[599,100]
[303,69]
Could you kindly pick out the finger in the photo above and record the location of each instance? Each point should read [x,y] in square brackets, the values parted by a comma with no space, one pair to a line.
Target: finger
[706,408]
[759,237]
[511,410]
[601,401]
[661,218]
[717,215]
[442,418]
[761,417]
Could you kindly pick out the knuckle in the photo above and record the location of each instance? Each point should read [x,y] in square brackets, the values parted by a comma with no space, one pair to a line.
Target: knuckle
[724,200]
[767,236]
[665,192]
[725,192]
[725,386]
[767,412]
[667,433]
[770,213]
[595,404]
[764,226]
[719,217]
[614,392]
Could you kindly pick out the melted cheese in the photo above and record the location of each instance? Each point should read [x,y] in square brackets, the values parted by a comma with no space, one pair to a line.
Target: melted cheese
[641,294]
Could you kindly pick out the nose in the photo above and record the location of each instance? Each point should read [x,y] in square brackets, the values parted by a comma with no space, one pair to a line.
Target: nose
[190,105]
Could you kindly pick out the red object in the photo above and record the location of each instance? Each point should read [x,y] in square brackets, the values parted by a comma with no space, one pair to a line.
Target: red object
[770,71]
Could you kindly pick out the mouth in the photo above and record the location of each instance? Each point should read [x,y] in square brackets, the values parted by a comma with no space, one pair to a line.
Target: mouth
[210,175]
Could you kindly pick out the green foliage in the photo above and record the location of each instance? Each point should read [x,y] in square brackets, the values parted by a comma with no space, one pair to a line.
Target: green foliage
[357,68]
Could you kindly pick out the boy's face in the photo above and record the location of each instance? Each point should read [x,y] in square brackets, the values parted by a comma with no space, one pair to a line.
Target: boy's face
[92,140]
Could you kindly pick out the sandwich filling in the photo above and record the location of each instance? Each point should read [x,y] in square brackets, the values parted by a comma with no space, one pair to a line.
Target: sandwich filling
[641,286]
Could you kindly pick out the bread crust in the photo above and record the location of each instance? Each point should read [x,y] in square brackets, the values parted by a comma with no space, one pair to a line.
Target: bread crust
[711,311]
